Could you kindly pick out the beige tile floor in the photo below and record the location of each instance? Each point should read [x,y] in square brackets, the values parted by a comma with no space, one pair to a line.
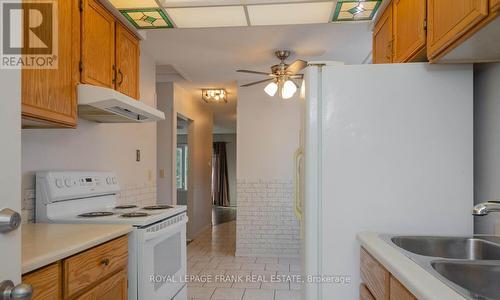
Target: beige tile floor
[217,274]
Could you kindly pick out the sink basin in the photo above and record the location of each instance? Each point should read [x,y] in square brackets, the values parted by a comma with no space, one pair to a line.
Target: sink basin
[479,279]
[449,247]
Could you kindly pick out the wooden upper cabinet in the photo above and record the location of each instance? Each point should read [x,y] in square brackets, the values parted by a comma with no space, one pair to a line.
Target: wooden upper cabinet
[448,20]
[494,5]
[409,30]
[49,95]
[382,38]
[98,45]
[127,62]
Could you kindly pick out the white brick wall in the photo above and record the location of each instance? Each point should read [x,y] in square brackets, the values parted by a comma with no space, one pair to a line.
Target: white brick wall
[139,194]
[266,223]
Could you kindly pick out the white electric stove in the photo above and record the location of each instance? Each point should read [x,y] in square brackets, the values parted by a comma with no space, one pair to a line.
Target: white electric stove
[157,245]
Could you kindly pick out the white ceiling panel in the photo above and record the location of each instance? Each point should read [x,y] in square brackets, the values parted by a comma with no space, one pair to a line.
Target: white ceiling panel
[123,4]
[292,13]
[203,17]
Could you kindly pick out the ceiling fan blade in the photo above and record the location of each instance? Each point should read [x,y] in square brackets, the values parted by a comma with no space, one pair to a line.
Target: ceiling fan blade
[253,72]
[257,82]
[297,76]
[296,66]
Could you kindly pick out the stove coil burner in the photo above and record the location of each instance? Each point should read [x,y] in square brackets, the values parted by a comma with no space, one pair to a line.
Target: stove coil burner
[125,206]
[154,207]
[135,215]
[96,214]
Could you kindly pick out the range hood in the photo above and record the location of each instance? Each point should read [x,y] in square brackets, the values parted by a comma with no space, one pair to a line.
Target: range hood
[105,105]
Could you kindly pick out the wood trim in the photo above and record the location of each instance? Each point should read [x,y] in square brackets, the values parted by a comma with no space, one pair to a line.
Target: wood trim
[435,48]
[375,276]
[492,16]
[417,51]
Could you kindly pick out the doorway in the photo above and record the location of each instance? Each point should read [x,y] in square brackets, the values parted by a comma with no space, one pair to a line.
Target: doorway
[224,199]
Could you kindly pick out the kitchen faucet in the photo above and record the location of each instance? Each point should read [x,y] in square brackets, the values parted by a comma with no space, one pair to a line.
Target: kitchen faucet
[482,209]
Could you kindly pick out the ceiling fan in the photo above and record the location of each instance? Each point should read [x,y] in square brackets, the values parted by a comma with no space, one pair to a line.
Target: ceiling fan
[282,76]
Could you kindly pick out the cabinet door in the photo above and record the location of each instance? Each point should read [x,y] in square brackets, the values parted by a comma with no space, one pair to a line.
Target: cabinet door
[49,95]
[46,282]
[409,30]
[494,5]
[398,291]
[127,62]
[382,38]
[113,288]
[98,45]
[364,293]
[448,20]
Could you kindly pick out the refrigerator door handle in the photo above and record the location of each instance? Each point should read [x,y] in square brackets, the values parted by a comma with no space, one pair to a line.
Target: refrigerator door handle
[297,182]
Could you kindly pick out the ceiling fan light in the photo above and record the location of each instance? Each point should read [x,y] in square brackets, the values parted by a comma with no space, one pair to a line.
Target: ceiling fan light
[271,89]
[289,89]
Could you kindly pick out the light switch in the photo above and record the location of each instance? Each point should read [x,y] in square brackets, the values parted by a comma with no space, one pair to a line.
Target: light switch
[138,155]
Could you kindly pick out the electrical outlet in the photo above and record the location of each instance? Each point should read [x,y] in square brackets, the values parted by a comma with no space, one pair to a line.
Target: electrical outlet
[150,175]
[162,173]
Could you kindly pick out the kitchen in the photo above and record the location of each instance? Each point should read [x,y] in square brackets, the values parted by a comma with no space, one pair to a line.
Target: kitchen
[444,141]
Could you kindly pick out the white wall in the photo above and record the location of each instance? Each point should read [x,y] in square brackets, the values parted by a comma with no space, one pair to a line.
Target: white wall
[165,92]
[94,146]
[230,140]
[181,102]
[267,135]
[486,141]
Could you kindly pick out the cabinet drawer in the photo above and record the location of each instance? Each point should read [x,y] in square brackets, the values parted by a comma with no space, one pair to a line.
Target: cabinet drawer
[375,276]
[113,288]
[46,282]
[364,293]
[89,267]
[399,292]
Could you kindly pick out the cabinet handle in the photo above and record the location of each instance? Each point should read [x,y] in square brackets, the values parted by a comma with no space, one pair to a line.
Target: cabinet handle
[121,77]
[114,74]
[105,261]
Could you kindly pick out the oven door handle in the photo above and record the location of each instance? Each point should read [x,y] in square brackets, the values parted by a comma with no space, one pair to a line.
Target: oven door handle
[168,229]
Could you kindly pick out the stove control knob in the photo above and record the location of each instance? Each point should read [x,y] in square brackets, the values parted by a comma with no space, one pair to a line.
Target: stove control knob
[67,182]
[114,180]
[108,180]
[59,183]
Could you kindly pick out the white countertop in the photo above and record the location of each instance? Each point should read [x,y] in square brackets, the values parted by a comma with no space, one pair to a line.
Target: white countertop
[43,244]
[418,281]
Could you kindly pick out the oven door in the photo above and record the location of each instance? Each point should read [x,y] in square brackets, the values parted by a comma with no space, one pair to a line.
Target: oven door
[162,259]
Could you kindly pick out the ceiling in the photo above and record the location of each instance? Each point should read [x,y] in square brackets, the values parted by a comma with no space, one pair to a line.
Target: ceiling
[205,58]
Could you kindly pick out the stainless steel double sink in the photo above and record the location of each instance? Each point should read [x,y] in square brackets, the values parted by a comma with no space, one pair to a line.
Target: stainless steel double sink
[469,265]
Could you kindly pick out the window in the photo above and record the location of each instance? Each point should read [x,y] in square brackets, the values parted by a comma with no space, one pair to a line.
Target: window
[182,165]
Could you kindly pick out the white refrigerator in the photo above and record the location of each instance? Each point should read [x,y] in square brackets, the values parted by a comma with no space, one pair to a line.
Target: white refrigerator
[385,148]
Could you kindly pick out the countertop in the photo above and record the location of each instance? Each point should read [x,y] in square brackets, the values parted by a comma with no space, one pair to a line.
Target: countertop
[43,244]
[418,281]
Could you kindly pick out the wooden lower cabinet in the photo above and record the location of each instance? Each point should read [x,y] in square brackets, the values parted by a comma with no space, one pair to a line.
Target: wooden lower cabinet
[99,273]
[398,291]
[46,282]
[378,283]
[364,293]
[113,288]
